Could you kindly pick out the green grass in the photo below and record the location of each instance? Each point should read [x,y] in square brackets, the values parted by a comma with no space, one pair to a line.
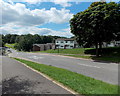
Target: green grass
[67,51]
[108,54]
[79,83]
[80,56]
[111,54]
[115,59]
[10,45]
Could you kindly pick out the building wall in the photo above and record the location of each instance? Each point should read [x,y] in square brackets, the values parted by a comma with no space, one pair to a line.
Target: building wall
[36,48]
[65,44]
[112,44]
[43,47]
[117,43]
[47,47]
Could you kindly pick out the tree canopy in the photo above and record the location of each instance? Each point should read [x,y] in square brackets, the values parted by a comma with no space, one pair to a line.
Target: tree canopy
[2,43]
[25,42]
[97,24]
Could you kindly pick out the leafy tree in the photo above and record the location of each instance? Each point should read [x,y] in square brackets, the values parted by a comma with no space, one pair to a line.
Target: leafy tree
[7,38]
[18,38]
[99,23]
[13,38]
[37,39]
[25,42]
[2,43]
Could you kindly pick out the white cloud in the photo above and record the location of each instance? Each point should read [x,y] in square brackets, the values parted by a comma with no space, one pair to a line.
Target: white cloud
[15,29]
[20,15]
[66,30]
[59,16]
[63,3]
[17,19]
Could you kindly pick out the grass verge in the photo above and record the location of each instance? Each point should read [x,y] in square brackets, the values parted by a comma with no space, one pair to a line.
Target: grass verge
[115,59]
[10,45]
[79,83]
[80,56]
[111,54]
[67,51]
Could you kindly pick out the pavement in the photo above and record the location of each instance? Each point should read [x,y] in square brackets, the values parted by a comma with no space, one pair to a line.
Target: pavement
[100,70]
[18,79]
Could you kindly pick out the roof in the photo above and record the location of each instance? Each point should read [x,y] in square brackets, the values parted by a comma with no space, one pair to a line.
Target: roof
[50,43]
[39,45]
[66,39]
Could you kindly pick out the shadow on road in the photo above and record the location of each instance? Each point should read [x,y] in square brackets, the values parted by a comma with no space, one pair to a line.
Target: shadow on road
[15,85]
[107,55]
[19,87]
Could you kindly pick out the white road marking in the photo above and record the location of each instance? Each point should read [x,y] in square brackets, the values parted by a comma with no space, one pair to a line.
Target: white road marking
[35,57]
[88,65]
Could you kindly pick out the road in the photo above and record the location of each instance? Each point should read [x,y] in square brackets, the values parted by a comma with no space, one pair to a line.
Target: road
[105,71]
[18,79]
[0,75]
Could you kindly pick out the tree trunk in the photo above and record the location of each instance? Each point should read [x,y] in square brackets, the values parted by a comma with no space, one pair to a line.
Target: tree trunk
[100,47]
[97,53]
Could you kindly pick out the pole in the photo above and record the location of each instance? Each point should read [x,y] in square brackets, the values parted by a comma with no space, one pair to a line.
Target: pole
[58,48]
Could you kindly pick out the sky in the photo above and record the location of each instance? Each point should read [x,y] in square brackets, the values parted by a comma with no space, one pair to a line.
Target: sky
[43,17]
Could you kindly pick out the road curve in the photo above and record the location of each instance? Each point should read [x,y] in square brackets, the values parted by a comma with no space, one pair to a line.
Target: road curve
[105,71]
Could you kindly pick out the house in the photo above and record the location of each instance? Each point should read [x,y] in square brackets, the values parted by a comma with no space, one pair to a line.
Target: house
[43,47]
[117,43]
[66,43]
[112,44]
[38,47]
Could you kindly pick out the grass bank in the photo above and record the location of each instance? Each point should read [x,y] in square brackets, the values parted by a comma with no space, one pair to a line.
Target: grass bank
[108,54]
[79,83]
[68,51]
[10,45]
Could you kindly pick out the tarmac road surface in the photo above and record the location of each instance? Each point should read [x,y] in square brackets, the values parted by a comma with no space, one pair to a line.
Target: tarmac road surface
[100,70]
[18,79]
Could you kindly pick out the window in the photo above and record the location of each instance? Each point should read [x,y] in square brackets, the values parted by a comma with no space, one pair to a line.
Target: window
[61,46]
[57,42]
[67,45]
[66,41]
[71,46]
[61,41]
[71,41]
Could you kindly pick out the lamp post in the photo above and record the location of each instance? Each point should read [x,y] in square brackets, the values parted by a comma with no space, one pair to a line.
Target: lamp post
[58,48]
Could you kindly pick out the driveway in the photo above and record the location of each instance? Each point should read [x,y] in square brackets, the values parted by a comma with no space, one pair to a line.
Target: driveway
[105,71]
[18,79]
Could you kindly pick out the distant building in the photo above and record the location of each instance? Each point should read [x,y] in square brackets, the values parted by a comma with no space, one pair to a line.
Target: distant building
[64,43]
[59,43]
[43,47]
[112,44]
